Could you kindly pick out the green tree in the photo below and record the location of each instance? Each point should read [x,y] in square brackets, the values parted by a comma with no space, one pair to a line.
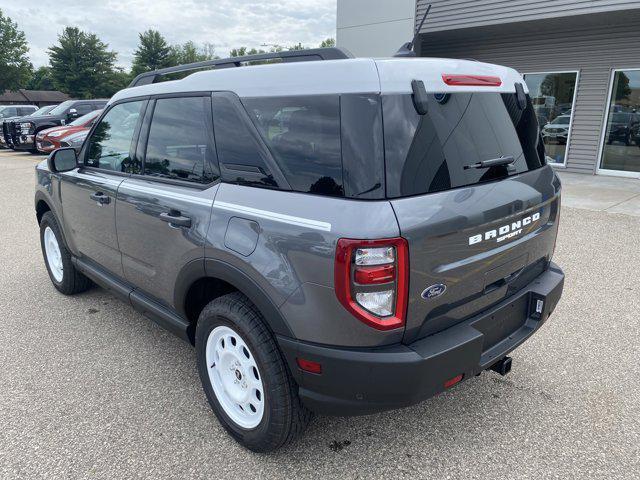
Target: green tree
[243,51]
[152,53]
[41,80]
[15,67]
[327,43]
[622,89]
[81,65]
[190,53]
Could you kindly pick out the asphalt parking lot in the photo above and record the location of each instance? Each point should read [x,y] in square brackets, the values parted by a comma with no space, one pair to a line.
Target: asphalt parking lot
[91,389]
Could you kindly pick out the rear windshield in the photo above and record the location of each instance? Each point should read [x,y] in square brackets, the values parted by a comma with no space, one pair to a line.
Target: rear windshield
[429,153]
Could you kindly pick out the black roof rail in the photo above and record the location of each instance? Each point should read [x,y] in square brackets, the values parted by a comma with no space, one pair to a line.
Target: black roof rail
[288,56]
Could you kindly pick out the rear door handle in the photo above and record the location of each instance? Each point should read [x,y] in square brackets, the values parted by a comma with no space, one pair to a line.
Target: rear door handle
[100,197]
[175,219]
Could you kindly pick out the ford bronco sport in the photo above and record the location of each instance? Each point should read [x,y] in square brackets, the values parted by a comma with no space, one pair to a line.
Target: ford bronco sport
[341,236]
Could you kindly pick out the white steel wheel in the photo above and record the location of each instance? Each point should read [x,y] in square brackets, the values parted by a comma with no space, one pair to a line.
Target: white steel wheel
[54,257]
[235,377]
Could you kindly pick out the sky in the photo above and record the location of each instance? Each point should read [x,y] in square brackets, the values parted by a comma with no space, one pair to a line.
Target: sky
[224,23]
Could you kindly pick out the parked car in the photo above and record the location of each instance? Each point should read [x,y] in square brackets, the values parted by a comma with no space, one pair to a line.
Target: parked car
[623,127]
[75,140]
[335,237]
[557,131]
[51,138]
[24,130]
[9,112]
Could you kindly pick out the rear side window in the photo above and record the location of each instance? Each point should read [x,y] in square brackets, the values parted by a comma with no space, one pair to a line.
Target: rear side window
[242,161]
[429,153]
[180,145]
[303,134]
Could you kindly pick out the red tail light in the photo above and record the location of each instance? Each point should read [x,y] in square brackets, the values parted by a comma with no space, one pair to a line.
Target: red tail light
[374,275]
[471,80]
[372,280]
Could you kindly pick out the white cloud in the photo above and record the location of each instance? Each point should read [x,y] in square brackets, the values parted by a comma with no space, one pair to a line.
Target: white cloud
[224,23]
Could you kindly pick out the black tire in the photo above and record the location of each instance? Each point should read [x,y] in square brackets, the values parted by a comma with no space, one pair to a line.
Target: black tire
[284,418]
[72,280]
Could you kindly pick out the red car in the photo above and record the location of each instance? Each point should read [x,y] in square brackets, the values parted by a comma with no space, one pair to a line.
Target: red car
[49,140]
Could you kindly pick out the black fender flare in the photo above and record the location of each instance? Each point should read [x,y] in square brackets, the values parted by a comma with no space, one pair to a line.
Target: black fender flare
[218,269]
[41,197]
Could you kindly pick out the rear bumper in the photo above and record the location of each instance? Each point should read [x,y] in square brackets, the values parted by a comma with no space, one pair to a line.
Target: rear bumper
[363,381]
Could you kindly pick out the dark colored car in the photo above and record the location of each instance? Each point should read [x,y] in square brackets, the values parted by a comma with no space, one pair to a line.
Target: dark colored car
[24,130]
[623,127]
[10,112]
[52,138]
[339,237]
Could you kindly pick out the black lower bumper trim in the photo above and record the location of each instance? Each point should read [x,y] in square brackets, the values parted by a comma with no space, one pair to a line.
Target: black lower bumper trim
[363,381]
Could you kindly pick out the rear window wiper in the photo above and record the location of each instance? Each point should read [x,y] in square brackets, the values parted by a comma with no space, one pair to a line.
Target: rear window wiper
[494,162]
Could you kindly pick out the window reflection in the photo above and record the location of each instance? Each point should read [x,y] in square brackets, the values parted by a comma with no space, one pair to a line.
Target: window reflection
[552,97]
[622,135]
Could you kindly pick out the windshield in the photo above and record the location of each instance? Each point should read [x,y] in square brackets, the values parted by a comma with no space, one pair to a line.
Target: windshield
[42,111]
[443,148]
[564,120]
[78,122]
[60,109]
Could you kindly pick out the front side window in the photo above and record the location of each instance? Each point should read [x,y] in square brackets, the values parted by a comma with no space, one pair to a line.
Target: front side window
[110,144]
[85,119]
[179,145]
[439,150]
[84,108]
[303,133]
[552,96]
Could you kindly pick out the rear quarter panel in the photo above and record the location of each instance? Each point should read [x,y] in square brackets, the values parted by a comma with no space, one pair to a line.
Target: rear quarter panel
[293,256]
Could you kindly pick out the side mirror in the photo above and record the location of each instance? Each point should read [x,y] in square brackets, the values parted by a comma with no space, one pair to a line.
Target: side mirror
[62,160]
[73,113]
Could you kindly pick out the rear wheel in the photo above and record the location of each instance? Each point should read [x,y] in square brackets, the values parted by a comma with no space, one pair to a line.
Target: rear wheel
[245,377]
[63,274]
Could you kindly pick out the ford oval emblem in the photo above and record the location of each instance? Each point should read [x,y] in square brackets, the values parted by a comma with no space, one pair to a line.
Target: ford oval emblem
[434,291]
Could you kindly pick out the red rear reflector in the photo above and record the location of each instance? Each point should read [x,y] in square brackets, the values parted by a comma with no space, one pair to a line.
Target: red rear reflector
[374,275]
[453,381]
[309,366]
[471,80]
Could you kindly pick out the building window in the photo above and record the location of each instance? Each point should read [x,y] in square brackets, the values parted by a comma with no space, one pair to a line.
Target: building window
[621,143]
[553,97]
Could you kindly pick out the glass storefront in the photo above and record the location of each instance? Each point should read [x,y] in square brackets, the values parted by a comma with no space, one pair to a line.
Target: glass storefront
[553,96]
[621,149]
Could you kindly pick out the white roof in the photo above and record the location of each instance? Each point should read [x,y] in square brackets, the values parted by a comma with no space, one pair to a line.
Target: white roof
[356,75]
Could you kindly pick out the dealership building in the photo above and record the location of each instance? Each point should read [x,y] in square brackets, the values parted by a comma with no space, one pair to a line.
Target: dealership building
[580,60]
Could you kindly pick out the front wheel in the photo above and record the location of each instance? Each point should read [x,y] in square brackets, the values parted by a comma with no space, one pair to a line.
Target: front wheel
[245,377]
[63,274]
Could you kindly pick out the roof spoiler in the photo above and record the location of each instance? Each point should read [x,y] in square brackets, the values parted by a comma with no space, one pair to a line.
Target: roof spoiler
[288,56]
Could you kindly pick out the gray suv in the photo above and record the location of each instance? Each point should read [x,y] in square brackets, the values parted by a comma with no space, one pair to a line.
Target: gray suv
[333,235]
